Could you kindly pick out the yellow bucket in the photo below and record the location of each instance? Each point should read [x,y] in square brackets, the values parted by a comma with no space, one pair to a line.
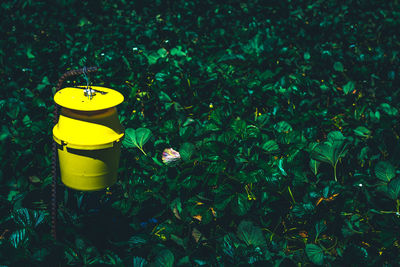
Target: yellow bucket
[89,135]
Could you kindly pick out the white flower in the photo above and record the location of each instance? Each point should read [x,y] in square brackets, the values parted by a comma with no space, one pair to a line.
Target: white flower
[169,155]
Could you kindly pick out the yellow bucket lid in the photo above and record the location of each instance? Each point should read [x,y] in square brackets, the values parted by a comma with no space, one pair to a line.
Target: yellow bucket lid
[74,98]
[88,132]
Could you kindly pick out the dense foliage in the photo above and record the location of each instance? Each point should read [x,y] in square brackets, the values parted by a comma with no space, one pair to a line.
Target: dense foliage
[285,115]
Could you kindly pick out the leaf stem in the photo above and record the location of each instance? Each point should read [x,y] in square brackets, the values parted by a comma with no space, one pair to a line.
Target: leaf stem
[334,171]
[290,192]
[334,245]
[387,212]
[141,149]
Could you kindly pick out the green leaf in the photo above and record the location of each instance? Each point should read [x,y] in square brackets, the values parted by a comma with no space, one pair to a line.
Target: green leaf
[391,111]
[239,126]
[266,75]
[314,165]
[185,261]
[29,53]
[393,188]
[142,136]
[250,234]
[303,209]
[320,227]
[186,132]
[338,66]
[227,137]
[331,150]
[136,241]
[164,97]
[223,195]
[164,258]
[186,151]
[45,80]
[177,51]
[335,137]
[139,262]
[136,138]
[5,133]
[241,204]
[254,46]
[283,127]
[348,87]
[307,56]
[22,217]
[218,116]
[130,138]
[152,58]
[384,171]
[38,217]
[12,194]
[18,238]
[270,146]
[324,153]
[362,132]
[27,121]
[156,161]
[28,218]
[252,131]
[315,254]
[162,52]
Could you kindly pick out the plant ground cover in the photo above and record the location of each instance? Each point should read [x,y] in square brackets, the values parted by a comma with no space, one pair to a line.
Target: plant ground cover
[285,115]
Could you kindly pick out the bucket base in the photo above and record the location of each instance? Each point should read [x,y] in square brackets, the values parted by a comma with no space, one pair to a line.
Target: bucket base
[89,170]
[88,183]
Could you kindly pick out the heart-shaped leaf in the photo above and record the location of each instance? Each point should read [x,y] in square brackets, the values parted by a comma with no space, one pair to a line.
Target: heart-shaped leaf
[136,138]
[283,127]
[250,234]
[384,171]
[332,150]
[315,254]
[130,138]
[393,188]
[324,153]
[186,151]
[239,126]
[142,136]
[165,258]
[270,146]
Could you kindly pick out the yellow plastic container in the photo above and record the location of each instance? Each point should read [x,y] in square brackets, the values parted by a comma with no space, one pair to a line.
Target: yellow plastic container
[89,135]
